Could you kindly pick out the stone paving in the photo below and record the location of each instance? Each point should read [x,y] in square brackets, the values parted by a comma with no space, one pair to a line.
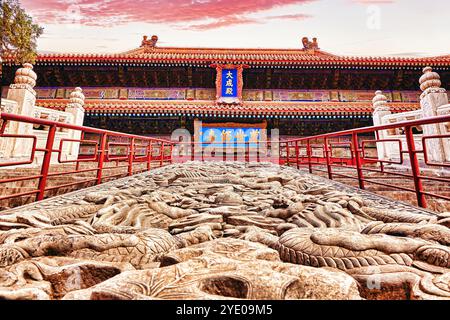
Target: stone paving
[212,230]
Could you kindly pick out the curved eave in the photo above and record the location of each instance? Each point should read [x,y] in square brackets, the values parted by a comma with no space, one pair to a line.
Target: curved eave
[281,60]
[177,107]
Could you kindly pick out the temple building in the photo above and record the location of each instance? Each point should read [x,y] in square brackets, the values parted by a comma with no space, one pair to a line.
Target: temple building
[152,90]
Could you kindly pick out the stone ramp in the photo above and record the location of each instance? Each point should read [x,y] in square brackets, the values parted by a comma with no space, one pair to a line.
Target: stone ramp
[433,203]
[54,181]
[216,231]
[74,196]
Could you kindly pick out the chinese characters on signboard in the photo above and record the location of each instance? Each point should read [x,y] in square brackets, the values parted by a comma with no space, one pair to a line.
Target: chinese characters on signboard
[229,83]
[221,135]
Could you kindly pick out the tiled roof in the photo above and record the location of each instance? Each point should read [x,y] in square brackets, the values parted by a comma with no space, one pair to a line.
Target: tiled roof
[210,107]
[208,56]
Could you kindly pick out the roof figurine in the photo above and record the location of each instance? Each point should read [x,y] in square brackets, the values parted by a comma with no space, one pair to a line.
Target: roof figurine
[308,45]
[152,42]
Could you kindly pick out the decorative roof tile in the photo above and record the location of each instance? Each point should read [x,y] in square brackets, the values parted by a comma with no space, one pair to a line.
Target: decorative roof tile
[175,55]
[248,107]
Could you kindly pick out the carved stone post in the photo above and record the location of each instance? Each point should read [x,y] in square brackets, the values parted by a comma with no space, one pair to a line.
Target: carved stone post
[7,144]
[380,110]
[75,107]
[432,97]
[22,92]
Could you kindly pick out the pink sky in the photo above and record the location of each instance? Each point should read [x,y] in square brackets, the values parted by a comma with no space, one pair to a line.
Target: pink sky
[350,27]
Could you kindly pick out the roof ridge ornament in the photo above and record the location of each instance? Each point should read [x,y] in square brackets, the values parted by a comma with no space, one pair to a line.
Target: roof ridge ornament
[149,43]
[310,45]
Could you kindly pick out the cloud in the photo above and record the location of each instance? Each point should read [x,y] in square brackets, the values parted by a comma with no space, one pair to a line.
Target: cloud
[298,16]
[373,1]
[115,12]
[407,54]
[219,23]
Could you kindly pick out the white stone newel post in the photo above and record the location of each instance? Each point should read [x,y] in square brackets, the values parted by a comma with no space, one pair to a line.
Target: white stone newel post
[432,97]
[75,107]
[22,92]
[380,110]
[7,144]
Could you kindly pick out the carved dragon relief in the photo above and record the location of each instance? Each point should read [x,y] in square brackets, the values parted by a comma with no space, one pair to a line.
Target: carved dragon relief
[200,230]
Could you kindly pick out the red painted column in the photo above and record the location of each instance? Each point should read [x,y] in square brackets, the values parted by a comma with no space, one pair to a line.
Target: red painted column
[161,160]
[131,158]
[170,156]
[297,154]
[149,155]
[258,150]
[327,157]
[101,157]
[309,152]
[224,150]
[46,163]
[287,153]
[356,150]
[415,169]
[247,151]
[202,150]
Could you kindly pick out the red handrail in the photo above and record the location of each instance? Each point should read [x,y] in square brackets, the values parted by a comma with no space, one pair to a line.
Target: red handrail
[247,151]
[98,159]
[361,163]
[26,119]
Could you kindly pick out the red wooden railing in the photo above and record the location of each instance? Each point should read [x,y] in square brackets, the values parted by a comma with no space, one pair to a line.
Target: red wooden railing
[357,163]
[302,152]
[139,155]
[316,153]
[224,151]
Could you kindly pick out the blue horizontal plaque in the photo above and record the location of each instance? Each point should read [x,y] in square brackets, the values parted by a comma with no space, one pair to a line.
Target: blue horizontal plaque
[234,136]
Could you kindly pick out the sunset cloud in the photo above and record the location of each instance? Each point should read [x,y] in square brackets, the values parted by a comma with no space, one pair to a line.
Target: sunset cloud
[373,1]
[108,26]
[115,12]
[298,16]
[237,20]
[219,23]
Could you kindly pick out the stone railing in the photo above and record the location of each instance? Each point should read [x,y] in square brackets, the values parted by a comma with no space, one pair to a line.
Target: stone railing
[434,102]
[41,132]
[21,101]
[8,106]
[53,115]
[6,145]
